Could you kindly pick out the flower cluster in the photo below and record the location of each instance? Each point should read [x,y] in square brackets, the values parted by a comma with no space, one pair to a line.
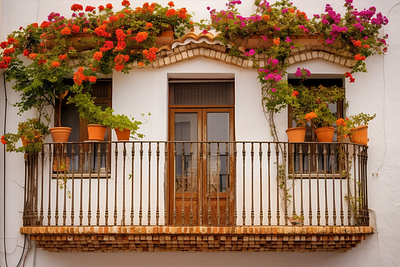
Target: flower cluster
[358,31]
[30,133]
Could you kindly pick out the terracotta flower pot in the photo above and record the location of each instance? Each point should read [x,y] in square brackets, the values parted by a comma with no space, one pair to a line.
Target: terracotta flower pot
[122,135]
[96,132]
[325,134]
[60,134]
[360,135]
[296,134]
[25,142]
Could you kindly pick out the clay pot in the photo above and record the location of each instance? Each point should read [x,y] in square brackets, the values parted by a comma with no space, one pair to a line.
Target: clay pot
[96,132]
[60,134]
[296,134]
[360,135]
[122,135]
[325,134]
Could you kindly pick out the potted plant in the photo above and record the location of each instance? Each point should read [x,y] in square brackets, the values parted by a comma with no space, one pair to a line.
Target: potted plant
[124,126]
[94,115]
[296,220]
[30,132]
[355,126]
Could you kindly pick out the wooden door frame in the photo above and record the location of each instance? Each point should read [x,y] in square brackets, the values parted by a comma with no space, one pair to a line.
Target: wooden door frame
[202,196]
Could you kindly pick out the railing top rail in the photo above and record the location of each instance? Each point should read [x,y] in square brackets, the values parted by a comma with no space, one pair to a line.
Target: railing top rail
[202,142]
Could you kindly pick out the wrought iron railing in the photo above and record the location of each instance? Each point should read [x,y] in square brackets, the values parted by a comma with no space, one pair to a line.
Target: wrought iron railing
[196,183]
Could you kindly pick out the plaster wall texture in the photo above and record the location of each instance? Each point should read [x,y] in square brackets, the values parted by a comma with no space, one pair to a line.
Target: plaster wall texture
[145,91]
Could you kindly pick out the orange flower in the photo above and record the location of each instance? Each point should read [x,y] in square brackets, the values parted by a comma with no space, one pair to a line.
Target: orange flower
[310,116]
[97,56]
[32,56]
[170,12]
[55,64]
[75,28]
[266,17]
[79,77]
[340,122]
[171,4]
[149,25]
[92,79]
[141,64]
[66,30]
[277,41]
[141,36]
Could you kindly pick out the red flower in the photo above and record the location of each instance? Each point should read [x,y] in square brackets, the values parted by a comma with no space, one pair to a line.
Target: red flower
[3,65]
[3,140]
[125,3]
[75,28]
[7,60]
[108,45]
[89,8]
[3,44]
[45,24]
[26,53]
[101,31]
[118,67]
[141,64]
[359,57]
[35,25]
[120,34]
[66,30]
[55,64]
[295,93]
[149,25]
[348,75]
[182,13]
[92,79]
[11,40]
[101,8]
[170,12]
[356,43]
[109,6]
[8,51]
[352,80]
[62,57]
[76,7]
[171,4]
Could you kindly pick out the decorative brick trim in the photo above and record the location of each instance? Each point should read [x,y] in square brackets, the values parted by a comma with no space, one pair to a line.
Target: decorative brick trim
[166,238]
[193,46]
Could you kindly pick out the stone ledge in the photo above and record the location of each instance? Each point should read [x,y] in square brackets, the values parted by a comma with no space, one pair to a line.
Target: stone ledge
[166,238]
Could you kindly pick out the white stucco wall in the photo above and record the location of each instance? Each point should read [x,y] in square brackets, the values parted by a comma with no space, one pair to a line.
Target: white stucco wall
[145,91]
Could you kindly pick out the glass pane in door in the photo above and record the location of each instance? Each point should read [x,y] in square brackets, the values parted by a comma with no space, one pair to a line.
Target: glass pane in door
[186,152]
[218,148]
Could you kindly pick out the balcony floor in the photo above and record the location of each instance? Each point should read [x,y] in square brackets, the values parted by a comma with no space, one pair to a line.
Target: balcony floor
[197,238]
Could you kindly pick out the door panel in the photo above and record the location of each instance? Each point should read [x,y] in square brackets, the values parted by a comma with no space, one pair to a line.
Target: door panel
[200,166]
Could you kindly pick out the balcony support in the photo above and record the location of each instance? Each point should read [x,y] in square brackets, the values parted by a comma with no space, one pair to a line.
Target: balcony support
[207,239]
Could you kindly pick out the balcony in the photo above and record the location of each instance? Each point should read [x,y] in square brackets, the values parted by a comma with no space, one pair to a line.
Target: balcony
[197,196]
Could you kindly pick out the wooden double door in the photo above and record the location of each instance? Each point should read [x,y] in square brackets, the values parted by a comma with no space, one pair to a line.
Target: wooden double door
[201,166]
